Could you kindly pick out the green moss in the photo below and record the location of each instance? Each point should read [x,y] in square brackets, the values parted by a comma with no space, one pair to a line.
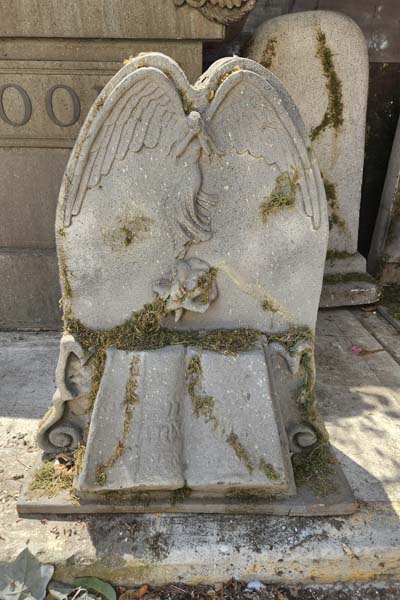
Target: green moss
[338,254]
[291,337]
[67,289]
[143,331]
[333,117]
[391,299]
[49,482]
[61,231]
[252,495]
[205,283]
[180,495]
[203,405]
[79,455]
[314,467]
[335,219]
[306,396]
[99,363]
[268,470]
[240,451]
[186,103]
[345,277]
[282,196]
[269,305]
[269,53]
[101,475]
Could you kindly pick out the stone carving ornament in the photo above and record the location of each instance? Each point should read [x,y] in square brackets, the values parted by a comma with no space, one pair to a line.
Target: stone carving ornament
[191,233]
[222,11]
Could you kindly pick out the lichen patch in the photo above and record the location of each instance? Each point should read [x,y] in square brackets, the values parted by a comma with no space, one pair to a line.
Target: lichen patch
[282,196]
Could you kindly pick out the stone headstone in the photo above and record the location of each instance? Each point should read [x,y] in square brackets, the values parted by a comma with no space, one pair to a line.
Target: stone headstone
[55,57]
[384,255]
[191,234]
[321,57]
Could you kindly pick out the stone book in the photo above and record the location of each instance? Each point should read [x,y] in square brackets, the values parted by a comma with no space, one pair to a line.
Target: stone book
[179,416]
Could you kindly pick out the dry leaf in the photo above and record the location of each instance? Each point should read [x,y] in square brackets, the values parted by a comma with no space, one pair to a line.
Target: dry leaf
[364,351]
[280,596]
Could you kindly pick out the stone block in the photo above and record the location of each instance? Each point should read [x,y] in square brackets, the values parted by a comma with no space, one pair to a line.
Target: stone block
[30,291]
[384,254]
[322,59]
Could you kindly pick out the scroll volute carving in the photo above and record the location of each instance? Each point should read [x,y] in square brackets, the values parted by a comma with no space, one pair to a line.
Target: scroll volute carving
[62,427]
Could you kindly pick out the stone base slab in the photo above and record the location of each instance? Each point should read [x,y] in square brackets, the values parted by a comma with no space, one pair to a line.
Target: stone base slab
[349,293]
[304,503]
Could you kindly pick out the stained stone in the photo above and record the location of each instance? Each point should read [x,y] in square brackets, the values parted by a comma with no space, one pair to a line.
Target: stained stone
[191,233]
[384,254]
[321,57]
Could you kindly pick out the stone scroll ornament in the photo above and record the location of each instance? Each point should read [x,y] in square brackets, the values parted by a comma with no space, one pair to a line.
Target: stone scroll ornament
[191,233]
[222,11]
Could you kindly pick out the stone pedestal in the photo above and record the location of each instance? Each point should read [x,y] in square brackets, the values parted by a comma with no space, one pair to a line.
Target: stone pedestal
[55,57]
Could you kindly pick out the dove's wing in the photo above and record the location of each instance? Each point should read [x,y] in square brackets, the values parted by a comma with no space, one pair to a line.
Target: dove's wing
[266,132]
[143,110]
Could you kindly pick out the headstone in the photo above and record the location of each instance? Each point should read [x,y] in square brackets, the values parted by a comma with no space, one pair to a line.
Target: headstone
[321,57]
[191,234]
[384,255]
[55,57]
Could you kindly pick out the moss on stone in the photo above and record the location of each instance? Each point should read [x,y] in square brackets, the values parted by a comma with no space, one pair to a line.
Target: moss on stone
[49,482]
[205,283]
[64,273]
[269,53]
[249,495]
[338,254]
[180,495]
[291,337]
[282,196]
[203,405]
[269,305]
[391,299]
[268,470]
[226,75]
[240,451]
[306,397]
[345,277]
[335,219]
[333,117]
[314,467]
[143,331]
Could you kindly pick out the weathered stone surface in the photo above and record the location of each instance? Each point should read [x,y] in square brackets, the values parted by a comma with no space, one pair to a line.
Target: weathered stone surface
[384,255]
[185,209]
[166,417]
[321,57]
[129,19]
[29,306]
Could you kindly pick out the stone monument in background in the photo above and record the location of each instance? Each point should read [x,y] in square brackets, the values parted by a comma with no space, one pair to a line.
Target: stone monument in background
[55,57]
[191,235]
[384,255]
[322,59]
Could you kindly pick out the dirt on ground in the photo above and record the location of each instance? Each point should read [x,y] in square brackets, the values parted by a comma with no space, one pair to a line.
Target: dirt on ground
[235,590]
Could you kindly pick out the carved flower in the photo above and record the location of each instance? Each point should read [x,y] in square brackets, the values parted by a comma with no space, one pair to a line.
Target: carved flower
[222,11]
[191,286]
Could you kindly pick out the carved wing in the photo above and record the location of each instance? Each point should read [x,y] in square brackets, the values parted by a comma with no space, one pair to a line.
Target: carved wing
[266,131]
[143,110]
